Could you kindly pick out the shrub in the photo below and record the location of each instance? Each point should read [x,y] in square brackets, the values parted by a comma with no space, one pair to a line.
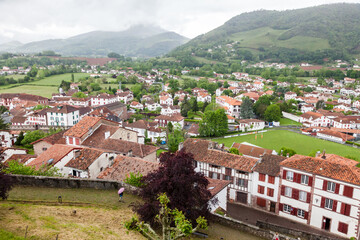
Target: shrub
[15,167]
[135,179]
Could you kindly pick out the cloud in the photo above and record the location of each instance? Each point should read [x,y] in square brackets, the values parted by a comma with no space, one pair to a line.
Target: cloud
[26,21]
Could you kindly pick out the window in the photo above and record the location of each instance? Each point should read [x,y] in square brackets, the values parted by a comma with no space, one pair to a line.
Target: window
[271,179]
[44,149]
[331,186]
[261,177]
[241,182]
[290,176]
[214,166]
[227,177]
[288,191]
[270,192]
[304,179]
[343,227]
[329,203]
[301,213]
[287,208]
[348,191]
[261,189]
[302,196]
[345,209]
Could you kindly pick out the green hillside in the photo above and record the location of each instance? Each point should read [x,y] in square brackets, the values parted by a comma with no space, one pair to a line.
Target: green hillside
[137,41]
[309,34]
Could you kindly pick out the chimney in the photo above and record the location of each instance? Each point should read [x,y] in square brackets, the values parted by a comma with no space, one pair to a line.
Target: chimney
[211,145]
[323,156]
[130,153]
[221,146]
[107,134]
[281,153]
[287,155]
[181,145]
[317,154]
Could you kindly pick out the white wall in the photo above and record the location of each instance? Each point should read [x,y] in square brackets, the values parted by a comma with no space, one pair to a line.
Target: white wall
[222,200]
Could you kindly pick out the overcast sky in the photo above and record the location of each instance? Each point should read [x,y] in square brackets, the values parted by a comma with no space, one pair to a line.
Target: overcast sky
[32,20]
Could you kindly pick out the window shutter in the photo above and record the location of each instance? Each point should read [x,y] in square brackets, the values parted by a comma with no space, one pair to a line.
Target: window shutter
[281,207]
[246,183]
[218,176]
[210,174]
[284,174]
[347,210]
[310,181]
[293,211]
[337,187]
[342,210]
[322,202]
[298,179]
[348,191]
[259,189]
[308,195]
[282,190]
[334,206]
[325,185]
[306,215]
[345,228]
[295,194]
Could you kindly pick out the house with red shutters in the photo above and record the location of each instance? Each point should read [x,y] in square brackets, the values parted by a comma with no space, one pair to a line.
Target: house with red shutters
[321,191]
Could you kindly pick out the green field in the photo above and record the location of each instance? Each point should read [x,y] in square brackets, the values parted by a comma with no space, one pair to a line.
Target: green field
[268,37]
[45,91]
[302,144]
[287,122]
[55,80]
[99,215]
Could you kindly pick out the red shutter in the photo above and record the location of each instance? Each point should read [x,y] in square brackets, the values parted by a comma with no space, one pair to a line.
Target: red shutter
[281,206]
[282,190]
[295,194]
[348,191]
[306,215]
[218,176]
[293,211]
[70,140]
[322,202]
[347,210]
[310,181]
[298,179]
[334,206]
[325,185]
[295,177]
[308,195]
[284,174]
[342,210]
[337,187]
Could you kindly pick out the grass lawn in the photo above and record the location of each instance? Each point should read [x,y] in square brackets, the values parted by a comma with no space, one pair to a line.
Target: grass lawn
[55,80]
[159,151]
[45,91]
[302,144]
[104,219]
[287,122]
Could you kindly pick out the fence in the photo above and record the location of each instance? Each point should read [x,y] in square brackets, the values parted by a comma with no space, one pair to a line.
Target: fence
[291,116]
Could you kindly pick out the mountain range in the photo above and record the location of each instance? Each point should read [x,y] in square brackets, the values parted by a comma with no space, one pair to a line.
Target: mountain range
[137,41]
[319,32]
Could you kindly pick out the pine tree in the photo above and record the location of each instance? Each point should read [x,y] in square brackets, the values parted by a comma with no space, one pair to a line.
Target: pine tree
[246,109]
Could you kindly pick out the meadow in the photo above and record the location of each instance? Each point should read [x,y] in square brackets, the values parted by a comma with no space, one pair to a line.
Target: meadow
[99,215]
[302,144]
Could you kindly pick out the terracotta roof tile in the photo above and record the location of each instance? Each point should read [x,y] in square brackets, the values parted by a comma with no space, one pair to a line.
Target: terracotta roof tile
[98,136]
[86,157]
[216,185]
[333,166]
[123,166]
[269,164]
[56,138]
[250,150]
[82,127]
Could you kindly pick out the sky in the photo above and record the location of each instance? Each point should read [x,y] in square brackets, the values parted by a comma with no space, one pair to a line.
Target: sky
[26,21]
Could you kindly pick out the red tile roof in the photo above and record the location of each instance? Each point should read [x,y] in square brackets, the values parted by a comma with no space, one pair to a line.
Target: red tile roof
[216,185]
[55,152]
[250,150]
[56,138]
[82,127]
[333,166]
[86,157]
[123,166]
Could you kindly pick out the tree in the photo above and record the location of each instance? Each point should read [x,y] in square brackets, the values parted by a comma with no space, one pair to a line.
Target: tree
[185,107]
[186,189]
[3,125]
[272,113]
[5,183]
[194,105]
[226,84]
[320,104]
[261,104]
[32,137]
[285,151]
[72,78]
[174,138]
[170,127]
[79,95]
[168,218]
[19,138]
[214,123]
[246,109]
[234,151]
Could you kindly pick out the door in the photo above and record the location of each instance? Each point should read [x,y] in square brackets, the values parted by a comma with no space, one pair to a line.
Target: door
[272,207]
[326,224]
[241,197]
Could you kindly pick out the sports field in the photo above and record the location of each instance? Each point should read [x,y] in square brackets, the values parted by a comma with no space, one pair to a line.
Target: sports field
[302,144]
[45,91]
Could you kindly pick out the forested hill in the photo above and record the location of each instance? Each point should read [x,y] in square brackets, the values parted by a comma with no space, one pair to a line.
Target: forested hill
[314,33]
[137,41]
